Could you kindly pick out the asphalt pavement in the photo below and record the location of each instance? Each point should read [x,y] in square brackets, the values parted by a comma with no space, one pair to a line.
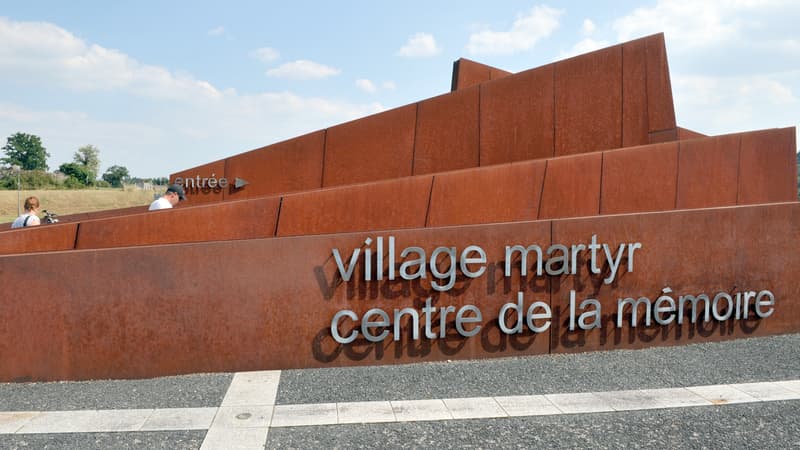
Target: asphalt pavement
[390,406]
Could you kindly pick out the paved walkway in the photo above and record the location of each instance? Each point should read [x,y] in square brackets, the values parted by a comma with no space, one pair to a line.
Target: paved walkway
[740,393]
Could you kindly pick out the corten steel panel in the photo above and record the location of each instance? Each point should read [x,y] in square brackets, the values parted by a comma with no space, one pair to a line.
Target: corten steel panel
[707,172]
[372,148]
[44,238]
[196,195]
[218,222]
[468,73]
[268,303]
[498,73]
[669,135]
[685,133]
[116,212]
[516,117]
[768,166]
[769,260]
[660,108]
[401,203]
[571,186]
[67,218]
[447,132]
[639,179]
[293,165]
[249,305]
[502,193]
[707,251]
[80,217]
[634,94]
[588,102]
[34,329]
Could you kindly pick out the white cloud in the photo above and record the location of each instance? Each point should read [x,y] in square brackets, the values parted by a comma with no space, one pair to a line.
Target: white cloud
[584,46]
[715,105]
[366,85]
[63,132]
[30,41]
[217,31]
[588,27]
[420,45]
[370,87]
[265,54]
[790,46]
[692,23]
[733,63]
[303,70]
[189,134]
[525,32]
[42,52]
[178,115]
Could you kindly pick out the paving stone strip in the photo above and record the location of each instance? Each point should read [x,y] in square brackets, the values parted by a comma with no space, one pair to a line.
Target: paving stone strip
[248,410]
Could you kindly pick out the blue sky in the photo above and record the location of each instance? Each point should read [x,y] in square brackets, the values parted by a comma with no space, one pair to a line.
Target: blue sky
[163,86]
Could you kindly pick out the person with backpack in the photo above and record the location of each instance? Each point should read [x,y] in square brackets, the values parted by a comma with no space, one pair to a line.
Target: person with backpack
[30,217]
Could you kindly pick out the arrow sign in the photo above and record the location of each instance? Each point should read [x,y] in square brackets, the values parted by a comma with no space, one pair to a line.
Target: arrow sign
[239,183]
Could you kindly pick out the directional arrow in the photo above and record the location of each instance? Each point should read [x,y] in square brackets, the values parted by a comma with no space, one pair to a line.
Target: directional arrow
[239,183]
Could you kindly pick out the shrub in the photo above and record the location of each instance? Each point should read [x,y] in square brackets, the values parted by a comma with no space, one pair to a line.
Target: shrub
[73,183]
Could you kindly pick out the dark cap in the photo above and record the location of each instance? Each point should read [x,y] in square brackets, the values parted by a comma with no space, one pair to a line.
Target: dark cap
[178,189]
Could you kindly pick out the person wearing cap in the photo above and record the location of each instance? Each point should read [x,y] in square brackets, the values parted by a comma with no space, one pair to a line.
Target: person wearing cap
[171,197]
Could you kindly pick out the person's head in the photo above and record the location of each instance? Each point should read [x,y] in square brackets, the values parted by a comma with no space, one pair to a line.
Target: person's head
[31,204]
[175,194]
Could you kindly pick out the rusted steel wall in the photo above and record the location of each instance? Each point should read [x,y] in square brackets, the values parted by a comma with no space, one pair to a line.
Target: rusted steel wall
[289,166]
[610,98]
[401,203]
[709,251]
[651,187]
[517,121]
[268,303]
[195,190]
[502,193]
[249,219]
[373,148]
[79,217]
[468,73]
[736,169]
[43,238]
[446,136]
[572,186]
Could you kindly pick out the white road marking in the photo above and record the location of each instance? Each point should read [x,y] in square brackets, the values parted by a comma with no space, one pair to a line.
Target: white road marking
[248,410]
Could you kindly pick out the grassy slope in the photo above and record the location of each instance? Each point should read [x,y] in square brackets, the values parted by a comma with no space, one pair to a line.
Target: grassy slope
[64,202]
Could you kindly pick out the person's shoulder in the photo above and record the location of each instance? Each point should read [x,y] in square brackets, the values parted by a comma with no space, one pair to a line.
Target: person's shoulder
[160,203]
[34,220]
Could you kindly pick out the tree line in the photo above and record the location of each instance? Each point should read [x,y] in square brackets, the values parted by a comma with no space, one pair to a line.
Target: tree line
[25,162]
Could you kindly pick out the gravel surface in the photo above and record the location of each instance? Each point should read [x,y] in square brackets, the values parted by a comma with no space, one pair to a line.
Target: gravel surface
[773,425]
[189,391]
[752,425]
[739,361]
[168,440]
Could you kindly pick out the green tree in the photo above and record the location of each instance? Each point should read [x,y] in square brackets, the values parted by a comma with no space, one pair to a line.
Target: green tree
[115,175]
[26,151]
[88,156]
[76,171]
